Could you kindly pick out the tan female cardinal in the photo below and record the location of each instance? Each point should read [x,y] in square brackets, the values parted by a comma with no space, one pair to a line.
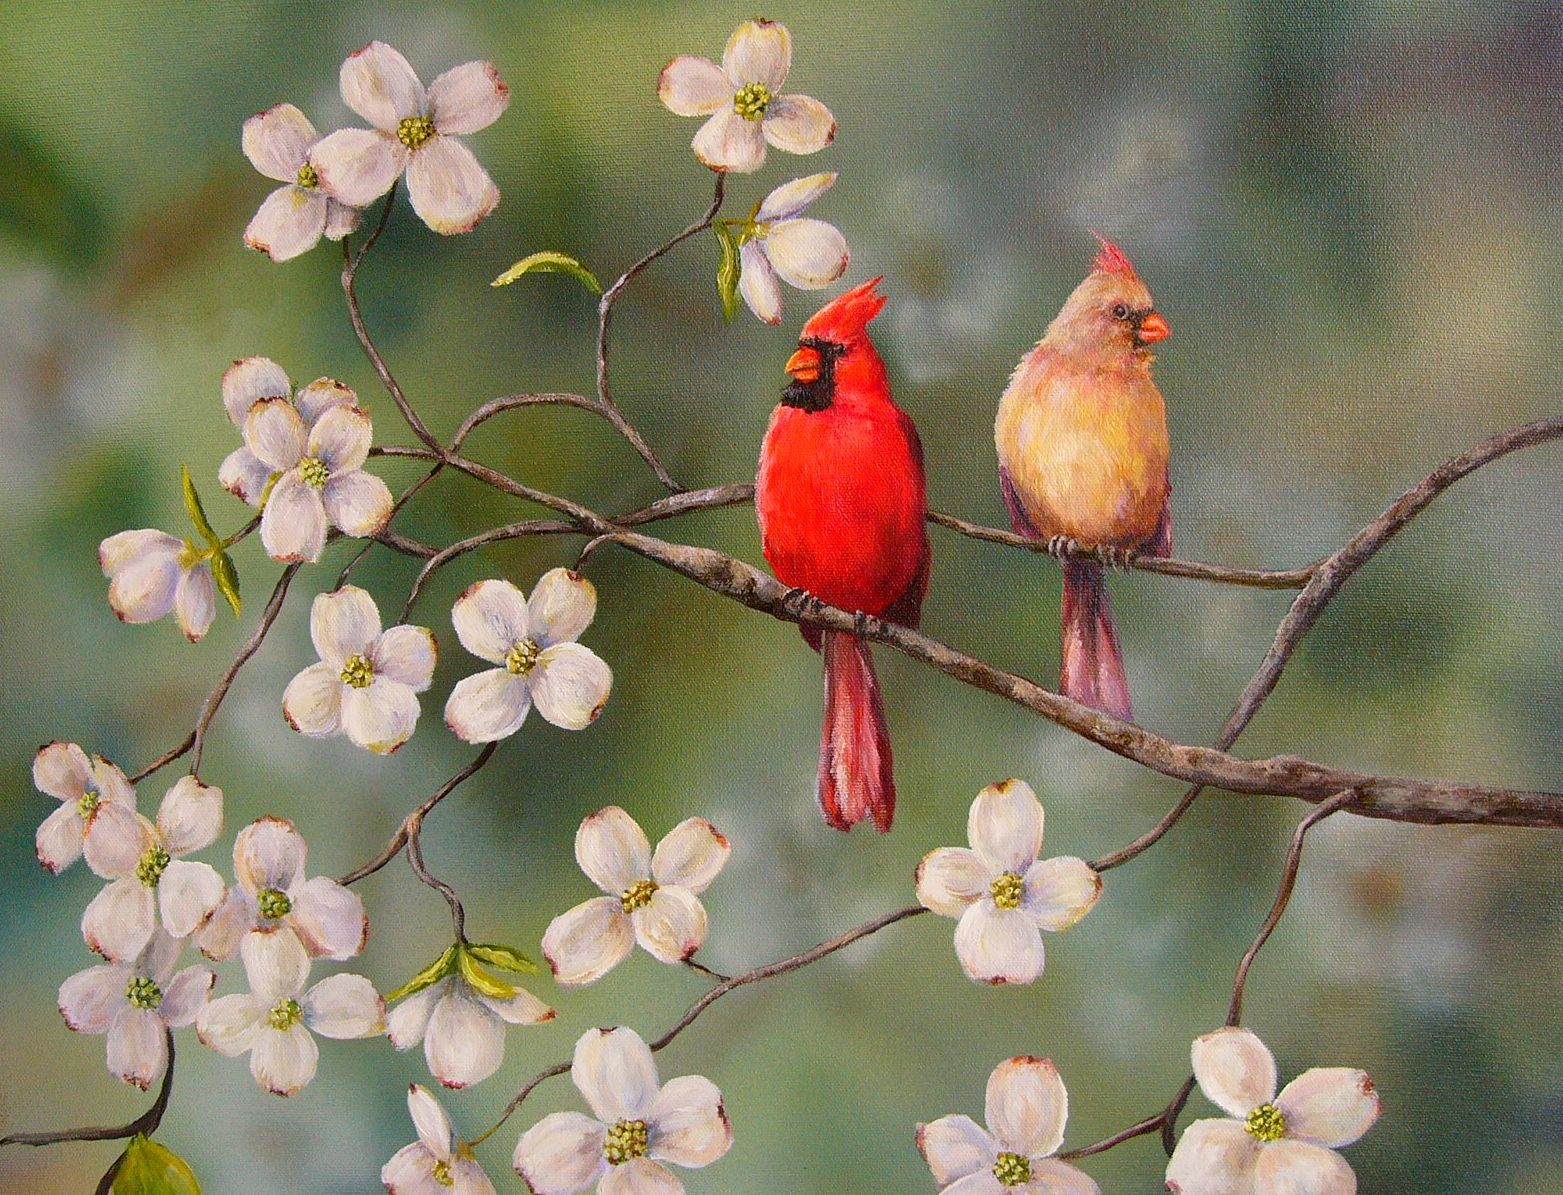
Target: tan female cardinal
[1082,440]
[841,503]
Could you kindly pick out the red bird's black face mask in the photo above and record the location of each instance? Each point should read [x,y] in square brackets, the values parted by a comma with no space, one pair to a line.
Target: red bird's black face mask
[813,370]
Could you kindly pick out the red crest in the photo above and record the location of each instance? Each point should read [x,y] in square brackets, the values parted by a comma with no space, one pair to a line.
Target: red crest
[1110,259]
[845,318]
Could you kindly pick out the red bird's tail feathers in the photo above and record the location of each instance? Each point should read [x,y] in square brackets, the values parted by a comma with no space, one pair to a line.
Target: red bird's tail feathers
[1092,662]
[855,780]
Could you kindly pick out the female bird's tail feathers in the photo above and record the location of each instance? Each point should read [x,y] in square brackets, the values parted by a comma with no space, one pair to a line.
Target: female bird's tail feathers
[1092,662]
[855,780]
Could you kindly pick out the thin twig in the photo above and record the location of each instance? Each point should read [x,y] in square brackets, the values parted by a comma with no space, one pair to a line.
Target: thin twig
[147,1122]
[458,914]
[1163,1121]
[702,969]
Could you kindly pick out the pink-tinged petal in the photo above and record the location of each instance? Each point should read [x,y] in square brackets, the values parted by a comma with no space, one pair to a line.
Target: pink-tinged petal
[120,919]
[340,439]
[759,51]
[615,1071]
[320,396]
[1058,892]
[344,1006]
[1005,826]
[344,623]
[89,999]
[341,219]
[584,943]
[277,141]
[1329,1105]
[562,605]
[688,1125]
[143,589]
[229,1024]
[561,1154]
[728,142]
[185,996]
[219,938]
[691,855]
[950,879]
[1049,1176]
[283,1061]
[157,958]
[799,124]
[269,853]
[357,503]
[116,837]
[998,945]
[612,850]
[380,718]
[289,221]
[449,189]
[758,284]
[58,841]
[293,525]
[112,786]
[244,475]
[807,253]
[381,86]
[672,926]
[62,770]
[409,1020]
[1213,1157]
[521,1009]
[464,1042]
[487,706]
[406,654]
[249,380]
[187,895]
[117,551]
[329,919]
[312,702]
[955,1146]
[570,685]
[195,602]
[1236,1071]
[694,86]
[981,1183]
[641,1176]
[490,618]
[1027,1106]
[275,433]
[275,964]
[467,98]
[411,1172]
[1302,1168]
[433,1125]
[138,1046]
[469,1178]
[357,166]
[789,199]
[191,816]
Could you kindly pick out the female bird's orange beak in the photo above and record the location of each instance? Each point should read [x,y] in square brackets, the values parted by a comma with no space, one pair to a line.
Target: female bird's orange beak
[1154,327]
[804,365]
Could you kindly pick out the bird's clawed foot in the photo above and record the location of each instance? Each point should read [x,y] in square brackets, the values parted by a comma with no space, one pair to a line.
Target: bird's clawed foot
[1063,546]
[860,624]
[1114,557]
[800,602]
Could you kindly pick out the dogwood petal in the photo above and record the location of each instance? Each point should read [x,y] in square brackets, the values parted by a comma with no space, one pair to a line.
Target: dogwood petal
[120,919]
[1005,826]
[758,283]
[190,817]
[344,1006]
[116,837]
[1213,1157]
[283,1061]
[1302,1168]
[277,140]
[490,618]
[235,916]
[293,525]
[693,86]
[799,124]
[89,999]
[312,702]
[115,552]
[640,1176]
[405,654]
[672,925]
[320,396]
[688,1124]
[411,1172]
[561,1154]
[340,439]
[1236,1071]
[289,221]
[449,189]
[950,879]
[1049,1176]
[488,706]
[408,1021]
[329,919]
[185,996]
[467,98]
[759,51]
[244,475]
[229,1023]
[562,605]
[138,1046]
[341,219]
[728,142]
[62,770]
[1027,1106]
[381,86]
[584,943]
[435,1131]
[344,623]
[807,253]
[570,685]
[195,602]
[357,503]
[357,166]
[464,1042]
[249,380]
[1058,892]
[269,853]
[614,1070]
[58,841]
[998,945]
[612,850]
[1329,1105]
[275,433]
[275,964]
[521,1009]
[143,588]
[691,855]
[790,199]
[380,718]
[187,894]
[955,1146]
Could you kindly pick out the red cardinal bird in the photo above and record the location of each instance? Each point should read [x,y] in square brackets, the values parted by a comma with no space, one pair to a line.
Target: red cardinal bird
[841,503]
[1082,441]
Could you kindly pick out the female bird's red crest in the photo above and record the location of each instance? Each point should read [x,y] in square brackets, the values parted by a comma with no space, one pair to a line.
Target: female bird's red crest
[845,318]
[1110,259]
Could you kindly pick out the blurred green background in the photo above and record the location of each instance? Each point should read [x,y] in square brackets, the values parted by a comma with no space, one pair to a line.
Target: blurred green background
[1350,219]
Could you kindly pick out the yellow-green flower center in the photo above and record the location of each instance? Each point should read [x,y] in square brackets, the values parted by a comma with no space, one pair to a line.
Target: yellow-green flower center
[1266,1122]
[1012,1170]
[143,992]
[637,895]
[751,101]
[522,658]
[440,1173]
[87,803]
[358,672]
[314,472]
[152,866]
[414,131]
[285,1015]
[1007,890]
[273,903]
[307,178]
[627,1140]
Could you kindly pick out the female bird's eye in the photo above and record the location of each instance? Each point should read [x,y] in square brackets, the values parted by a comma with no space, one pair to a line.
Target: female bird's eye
[1120,311]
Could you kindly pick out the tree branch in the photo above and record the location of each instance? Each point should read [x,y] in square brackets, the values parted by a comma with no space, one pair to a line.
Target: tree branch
[147,1122]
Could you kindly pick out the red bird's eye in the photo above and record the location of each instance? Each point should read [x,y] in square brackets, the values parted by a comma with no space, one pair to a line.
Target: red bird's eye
[1120,311]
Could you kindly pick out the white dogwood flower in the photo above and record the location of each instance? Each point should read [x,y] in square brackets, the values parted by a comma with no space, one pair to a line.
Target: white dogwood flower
[640,1123]
[533,642]
[743,99]
[367,683]
[462,1030]
[271,891]
[151,572]
[650,899]
[1276,1144]
[414,131]
[274,1020]
[806,253]
[294,217]
[437,1162]
[1003,894]
[1026,1110]
[97,814]
[245,383]
[160,884]
[134,1003]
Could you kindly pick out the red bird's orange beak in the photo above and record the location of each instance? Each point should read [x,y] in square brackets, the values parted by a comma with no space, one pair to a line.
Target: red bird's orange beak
[804,365]
[1154,327]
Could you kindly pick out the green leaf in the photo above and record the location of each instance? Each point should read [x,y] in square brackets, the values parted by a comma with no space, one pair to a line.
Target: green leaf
[197,512]
[550,261]
[728,271]
[147,1168]
[482,982]
[429,976]
[506,958]
[227,578]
